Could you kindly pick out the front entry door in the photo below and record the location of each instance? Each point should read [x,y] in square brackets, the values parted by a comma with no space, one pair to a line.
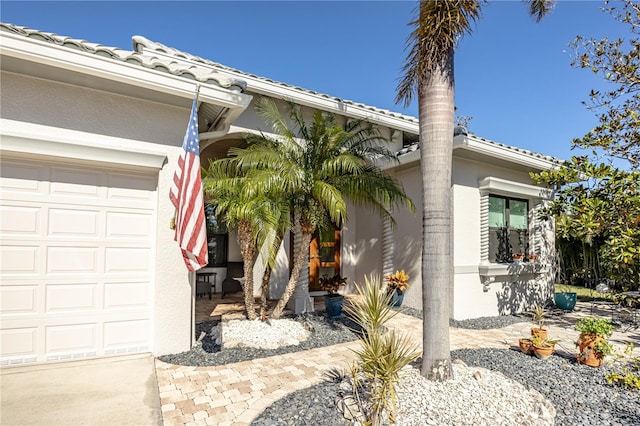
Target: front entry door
[324,257]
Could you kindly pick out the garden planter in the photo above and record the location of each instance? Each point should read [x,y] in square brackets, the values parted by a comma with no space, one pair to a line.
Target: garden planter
[333,305]
[543,352]
[586,353]
[566,301]
[526,346]
[540,332]
[396,298]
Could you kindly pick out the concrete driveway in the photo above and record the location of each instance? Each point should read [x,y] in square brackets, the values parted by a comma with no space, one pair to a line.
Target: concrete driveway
[107,391]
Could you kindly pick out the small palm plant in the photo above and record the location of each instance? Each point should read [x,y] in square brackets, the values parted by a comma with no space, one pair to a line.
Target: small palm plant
[383,353]
[317,165]
[539,316]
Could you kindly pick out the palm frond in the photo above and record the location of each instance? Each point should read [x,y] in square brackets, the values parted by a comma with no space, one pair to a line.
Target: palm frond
[330,198]
[437,28]
[540,8]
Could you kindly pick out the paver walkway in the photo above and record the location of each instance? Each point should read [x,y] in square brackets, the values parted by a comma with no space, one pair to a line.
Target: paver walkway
[234,394]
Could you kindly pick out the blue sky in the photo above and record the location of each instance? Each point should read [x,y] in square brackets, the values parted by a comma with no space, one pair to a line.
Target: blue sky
[513,76]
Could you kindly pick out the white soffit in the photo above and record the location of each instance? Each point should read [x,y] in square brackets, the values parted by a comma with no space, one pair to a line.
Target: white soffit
[499,186]
[33,139]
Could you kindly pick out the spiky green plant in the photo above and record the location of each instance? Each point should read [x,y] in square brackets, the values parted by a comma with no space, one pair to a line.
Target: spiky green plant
[372,309]
[383,353]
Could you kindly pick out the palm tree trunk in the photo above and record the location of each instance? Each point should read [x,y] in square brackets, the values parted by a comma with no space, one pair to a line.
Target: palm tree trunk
[249,252]
[300,259]
[264,288]
[436,110]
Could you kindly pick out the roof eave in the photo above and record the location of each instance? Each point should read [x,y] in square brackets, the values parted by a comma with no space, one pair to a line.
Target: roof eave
[511,155]
[45,53]
[264,87]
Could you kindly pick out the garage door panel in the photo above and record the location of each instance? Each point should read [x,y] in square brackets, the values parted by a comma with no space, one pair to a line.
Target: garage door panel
[19,259]
[73,223]
[131,186]
[123,334]
[21,177]
[128,225]
[72,260]
[20,342]
[70,338]
[120,260]
[71,298]
[19,220]
[127,295]
[76,261]
[18,299]
[78,183]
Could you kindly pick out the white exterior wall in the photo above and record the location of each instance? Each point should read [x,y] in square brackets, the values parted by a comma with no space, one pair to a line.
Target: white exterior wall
[133,125]
[408,237]
[471,298]
[364,249]
[510,291]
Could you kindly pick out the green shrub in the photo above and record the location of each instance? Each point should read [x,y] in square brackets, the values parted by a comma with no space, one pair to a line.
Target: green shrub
[626,371]
[595,325]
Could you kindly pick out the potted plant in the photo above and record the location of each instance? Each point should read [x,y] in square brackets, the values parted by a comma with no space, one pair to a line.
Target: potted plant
[592,343]
[526,345]
[543,347]
[333,301]
[533,257]
[539,315]
[517,257]
[397,283]
[565,300]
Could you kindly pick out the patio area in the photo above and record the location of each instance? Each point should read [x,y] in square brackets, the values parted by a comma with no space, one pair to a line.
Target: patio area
[232,306]
[234,394]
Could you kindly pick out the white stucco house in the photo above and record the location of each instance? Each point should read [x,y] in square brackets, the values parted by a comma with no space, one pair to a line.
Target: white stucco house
[90,137]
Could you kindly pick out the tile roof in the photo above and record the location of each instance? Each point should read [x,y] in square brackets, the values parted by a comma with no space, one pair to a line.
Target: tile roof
[516,149]
[143,44]
[212,72]
[154,62]
[415,146]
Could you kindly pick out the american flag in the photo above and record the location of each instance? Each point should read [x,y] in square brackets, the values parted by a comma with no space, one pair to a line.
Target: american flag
[186,196]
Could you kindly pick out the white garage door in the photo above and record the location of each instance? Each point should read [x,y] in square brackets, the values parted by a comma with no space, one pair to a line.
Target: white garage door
[76,256]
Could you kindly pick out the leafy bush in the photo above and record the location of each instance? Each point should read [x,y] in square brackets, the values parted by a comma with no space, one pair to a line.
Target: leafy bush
[626,371]
[595,325]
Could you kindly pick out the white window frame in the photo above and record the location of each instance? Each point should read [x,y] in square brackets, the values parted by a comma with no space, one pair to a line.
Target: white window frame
[497,186]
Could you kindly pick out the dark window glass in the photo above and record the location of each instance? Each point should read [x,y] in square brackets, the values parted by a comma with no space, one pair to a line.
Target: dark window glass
[217,238]
[508,228]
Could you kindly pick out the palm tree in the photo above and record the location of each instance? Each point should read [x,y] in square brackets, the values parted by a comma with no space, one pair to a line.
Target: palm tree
[255,217]
[316,167]
[428,72]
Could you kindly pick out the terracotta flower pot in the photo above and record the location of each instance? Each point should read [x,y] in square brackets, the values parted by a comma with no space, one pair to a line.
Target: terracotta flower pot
[586,353]
[526,345]
[540,332]
[543,352]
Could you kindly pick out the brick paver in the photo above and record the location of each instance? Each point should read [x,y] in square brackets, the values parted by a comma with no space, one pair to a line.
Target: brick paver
[235,394]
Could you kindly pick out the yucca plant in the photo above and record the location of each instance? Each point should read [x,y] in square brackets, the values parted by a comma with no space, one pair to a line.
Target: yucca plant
[383,353]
